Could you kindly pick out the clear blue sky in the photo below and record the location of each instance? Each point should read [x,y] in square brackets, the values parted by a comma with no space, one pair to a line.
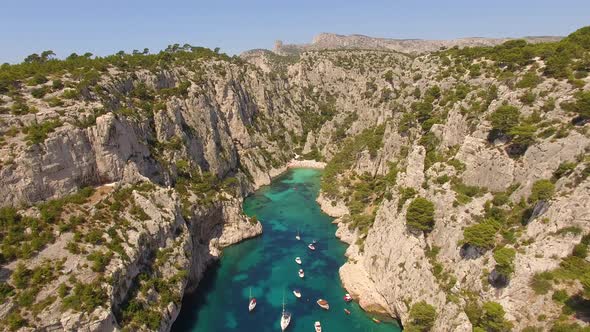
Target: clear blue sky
[107,26]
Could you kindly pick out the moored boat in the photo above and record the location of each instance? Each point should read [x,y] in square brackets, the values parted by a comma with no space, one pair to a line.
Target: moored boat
[285,316]
[252,302]
[297,293]
[347,311]
[311,246]
[285,320]
[347,298]
[318,327]
[298,260]
[301,273]
[376,320]
[323,304]
[297,236]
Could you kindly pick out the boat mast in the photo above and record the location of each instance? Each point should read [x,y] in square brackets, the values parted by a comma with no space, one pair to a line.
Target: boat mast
[283,302]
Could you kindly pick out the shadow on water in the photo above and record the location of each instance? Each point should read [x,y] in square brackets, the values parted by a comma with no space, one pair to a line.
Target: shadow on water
[266,266]
[194,300]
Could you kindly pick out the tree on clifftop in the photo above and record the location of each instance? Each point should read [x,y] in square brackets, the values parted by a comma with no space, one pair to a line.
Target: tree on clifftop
[420,214]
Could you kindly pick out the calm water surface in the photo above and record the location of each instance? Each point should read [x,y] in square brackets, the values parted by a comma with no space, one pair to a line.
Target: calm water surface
[267,265]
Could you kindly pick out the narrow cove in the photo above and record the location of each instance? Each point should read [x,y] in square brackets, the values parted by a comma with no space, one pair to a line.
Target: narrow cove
[267,265]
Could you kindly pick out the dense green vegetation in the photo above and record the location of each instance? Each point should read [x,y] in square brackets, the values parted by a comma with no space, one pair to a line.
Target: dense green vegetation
[83,297]
[420,215]
[370,139]
[561,58]
[422,317]
[482,235]
[487,318]
[504,258]
[365,193]
[506,122]
[529,80]
[542,190]
[505,118]
[87,68]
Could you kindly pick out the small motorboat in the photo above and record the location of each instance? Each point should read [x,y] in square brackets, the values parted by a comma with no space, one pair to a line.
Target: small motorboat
[347,298]
[301,273]
[252,303]
[311,246]
[318,327]
[347,311]
[297,236]
[323,304]
[298,260]
[297,293]
[376,320]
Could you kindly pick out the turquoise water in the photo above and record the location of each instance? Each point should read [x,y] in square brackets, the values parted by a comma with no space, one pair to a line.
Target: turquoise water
[267,265]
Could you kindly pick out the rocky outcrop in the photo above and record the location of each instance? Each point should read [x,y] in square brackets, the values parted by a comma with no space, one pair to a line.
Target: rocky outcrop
[485,167]
[333,208]
[357,282]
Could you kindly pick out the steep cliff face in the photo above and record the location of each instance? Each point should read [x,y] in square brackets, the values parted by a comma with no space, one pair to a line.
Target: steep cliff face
[496,149]
[472,175]
[175,171]
[207,126]
[391,267]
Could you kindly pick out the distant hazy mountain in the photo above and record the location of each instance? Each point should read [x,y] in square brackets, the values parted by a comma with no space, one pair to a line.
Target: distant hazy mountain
[335,41]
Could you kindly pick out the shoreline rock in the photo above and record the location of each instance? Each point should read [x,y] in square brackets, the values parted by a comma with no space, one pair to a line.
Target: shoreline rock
[358,284]
[335,209]
[353,277]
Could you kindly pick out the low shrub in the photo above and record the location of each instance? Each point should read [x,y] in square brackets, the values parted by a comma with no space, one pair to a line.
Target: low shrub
[542,190]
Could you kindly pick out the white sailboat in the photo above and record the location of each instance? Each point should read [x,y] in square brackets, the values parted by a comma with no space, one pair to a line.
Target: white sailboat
[285,317]
[252,301]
